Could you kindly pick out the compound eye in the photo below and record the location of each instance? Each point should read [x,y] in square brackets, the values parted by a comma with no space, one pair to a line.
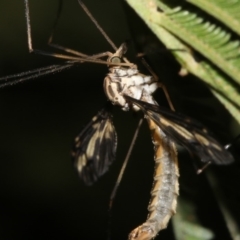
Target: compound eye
[115,60]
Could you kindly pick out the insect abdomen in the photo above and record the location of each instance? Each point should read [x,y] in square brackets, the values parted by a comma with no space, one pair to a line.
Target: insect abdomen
[165,186]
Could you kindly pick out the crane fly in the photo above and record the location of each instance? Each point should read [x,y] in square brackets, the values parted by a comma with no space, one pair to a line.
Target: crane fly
[95,146]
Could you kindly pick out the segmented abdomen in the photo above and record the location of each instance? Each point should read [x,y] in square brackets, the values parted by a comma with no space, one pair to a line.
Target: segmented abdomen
[165,186]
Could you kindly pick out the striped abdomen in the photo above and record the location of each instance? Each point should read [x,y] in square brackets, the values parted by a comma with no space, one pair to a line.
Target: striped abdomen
[165,186]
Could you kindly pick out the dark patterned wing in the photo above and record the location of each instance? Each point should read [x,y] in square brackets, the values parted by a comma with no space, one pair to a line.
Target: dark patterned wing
[186,132]
[95,147]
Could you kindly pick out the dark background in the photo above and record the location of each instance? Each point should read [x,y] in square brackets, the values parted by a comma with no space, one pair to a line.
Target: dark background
[41,195]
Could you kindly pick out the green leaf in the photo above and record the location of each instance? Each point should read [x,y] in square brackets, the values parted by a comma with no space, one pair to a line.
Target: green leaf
[190,29]
[186,225]
[225,11]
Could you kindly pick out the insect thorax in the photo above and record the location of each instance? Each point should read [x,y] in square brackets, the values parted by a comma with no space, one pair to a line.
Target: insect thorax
[129,81]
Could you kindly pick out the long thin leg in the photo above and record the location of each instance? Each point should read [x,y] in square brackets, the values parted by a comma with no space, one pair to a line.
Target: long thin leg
[66,49]
[120,176]
[100,28]
[97,25]
[161,85]
[29,75]
[73,57]
[29,34]
[50,40]
[113,194]
[81,57]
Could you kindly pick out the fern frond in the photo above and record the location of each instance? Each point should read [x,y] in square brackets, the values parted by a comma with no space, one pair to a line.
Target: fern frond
[225,11]
[210,40]
[178,29]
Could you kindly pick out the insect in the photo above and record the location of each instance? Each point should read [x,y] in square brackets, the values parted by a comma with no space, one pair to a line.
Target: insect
[125,86]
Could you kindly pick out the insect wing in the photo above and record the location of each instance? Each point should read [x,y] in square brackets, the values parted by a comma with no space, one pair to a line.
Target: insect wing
[95,147]
[186,132]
